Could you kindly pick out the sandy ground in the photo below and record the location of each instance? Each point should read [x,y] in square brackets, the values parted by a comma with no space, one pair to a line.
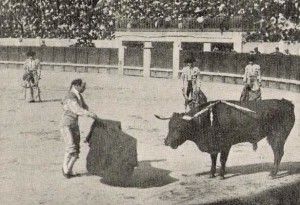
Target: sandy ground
[31,149]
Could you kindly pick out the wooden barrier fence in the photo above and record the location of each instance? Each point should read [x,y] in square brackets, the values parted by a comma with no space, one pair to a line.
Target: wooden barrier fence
[278,71]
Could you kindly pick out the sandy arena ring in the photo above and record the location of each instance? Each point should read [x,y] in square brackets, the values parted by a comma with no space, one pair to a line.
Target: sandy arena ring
[32,150]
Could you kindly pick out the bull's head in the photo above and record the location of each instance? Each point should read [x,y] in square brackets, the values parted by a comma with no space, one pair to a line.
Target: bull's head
[180,130]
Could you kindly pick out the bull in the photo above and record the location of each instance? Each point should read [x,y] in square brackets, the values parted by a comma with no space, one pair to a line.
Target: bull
[217,125]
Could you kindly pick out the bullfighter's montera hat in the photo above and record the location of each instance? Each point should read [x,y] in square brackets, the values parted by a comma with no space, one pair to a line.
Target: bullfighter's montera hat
[190,60]
[251,57]
[30,53]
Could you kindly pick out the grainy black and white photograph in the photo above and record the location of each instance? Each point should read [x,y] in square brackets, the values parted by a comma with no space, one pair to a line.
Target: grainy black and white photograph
[150,102]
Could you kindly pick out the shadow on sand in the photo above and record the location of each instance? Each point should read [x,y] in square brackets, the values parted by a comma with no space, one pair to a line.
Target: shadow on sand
[286,168]
[284,195]
[145,176]
[50,100]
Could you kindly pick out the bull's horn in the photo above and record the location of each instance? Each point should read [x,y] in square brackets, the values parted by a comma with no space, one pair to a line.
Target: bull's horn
[162,118]
[238,107]
[200,112]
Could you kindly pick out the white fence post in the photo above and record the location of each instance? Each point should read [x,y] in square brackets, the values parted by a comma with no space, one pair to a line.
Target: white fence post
[121,60]
[207,47]
[176,55]
[147,58]
[237,42]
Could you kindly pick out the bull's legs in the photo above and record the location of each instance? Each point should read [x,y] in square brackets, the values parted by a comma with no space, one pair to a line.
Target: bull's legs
[223,159]
[277,141]
[278,150]
[213,157]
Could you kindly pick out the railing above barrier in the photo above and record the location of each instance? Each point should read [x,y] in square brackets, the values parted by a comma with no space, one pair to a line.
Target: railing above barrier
[236,23]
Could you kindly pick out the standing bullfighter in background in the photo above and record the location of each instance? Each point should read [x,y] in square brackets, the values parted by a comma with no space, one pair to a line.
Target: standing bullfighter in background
[73,106]
[252,81]
[189,73]
[191,85]
[31,77]
[252,84]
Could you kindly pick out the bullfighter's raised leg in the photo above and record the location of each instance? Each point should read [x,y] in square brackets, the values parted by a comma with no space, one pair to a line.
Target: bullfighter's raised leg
[223,159]
[213,157]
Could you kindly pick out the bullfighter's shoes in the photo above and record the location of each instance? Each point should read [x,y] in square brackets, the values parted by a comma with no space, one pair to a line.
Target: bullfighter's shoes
[69,175]
[66,175]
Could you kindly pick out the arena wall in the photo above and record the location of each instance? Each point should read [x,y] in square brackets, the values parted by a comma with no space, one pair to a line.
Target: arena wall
[161,59]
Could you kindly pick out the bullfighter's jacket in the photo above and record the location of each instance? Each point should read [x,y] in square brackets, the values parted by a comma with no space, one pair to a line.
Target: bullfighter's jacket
[252,72]
[73,106]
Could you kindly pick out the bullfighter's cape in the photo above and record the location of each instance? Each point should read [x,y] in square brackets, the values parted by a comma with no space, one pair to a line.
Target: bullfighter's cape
[113,153]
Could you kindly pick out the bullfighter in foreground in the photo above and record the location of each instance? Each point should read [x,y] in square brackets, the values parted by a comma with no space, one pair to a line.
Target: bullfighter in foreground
[73,106]
[217,125]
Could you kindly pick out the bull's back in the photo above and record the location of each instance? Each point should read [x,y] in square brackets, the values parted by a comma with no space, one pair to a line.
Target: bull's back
[273,111]
[242,126]
[267,108]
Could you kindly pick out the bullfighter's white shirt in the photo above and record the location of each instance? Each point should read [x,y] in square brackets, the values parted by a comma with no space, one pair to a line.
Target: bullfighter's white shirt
[188,73]
[252,71]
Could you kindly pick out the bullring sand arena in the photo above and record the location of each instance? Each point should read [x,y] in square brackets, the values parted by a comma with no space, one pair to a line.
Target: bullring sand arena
[31,149]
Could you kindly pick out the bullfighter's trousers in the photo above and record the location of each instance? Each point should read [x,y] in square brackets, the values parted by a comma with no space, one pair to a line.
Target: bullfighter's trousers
[249,95]
[33,88]
[189,89]
[34,93]
[71,136]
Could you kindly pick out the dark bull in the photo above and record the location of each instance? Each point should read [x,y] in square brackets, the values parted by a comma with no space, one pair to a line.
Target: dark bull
[215,126]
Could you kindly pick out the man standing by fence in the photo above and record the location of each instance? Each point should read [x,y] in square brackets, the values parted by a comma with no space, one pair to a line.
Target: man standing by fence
[190,78]
[189,73]
[32,76]
[252,81]
[252,84]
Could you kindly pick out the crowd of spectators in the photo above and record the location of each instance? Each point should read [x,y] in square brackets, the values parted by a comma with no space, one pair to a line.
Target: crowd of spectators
[88,20]
[265,20]
[84,20]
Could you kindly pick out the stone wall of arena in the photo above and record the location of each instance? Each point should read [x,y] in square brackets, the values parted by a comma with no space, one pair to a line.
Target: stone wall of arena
[152,59]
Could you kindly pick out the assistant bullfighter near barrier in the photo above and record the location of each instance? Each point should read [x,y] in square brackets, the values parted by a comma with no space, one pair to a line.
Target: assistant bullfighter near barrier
[217,125]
